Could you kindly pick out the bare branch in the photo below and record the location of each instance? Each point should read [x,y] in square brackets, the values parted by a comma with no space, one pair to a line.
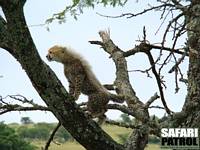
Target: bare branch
[7,107]
[122,78]
[174,20]
[183,80]
[96,42]
[168,27]
[130,15]
[177,64]
[22,99]
[140,48]
[109,86]
[176,80]
[136,49]
[143,71]
[151,100]
[178,5]
[177,51]
[52,136]
[122,108]
[159,82]
[158,107]
[15,107]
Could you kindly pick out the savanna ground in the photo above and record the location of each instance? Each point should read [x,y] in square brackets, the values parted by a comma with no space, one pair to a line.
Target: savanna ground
[114,131]
[76,146]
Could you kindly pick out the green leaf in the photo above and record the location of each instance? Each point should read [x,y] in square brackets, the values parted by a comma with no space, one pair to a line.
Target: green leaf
[75,2]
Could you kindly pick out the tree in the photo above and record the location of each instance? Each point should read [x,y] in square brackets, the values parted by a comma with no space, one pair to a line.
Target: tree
[63,135]
[16,39]
[41,131]
[34,133]
[126,118]
[9,140]
[26,120]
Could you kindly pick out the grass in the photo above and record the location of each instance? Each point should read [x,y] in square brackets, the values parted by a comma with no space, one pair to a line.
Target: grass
[113,131]
[76,146]
[65,146]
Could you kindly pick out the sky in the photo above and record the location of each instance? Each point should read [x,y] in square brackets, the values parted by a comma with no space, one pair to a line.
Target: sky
[76,33]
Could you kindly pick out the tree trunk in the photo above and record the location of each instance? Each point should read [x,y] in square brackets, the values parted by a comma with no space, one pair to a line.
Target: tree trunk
[192,103]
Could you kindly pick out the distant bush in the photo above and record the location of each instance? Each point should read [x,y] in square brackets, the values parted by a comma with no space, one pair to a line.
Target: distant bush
[34,133]
[154,140]
[9,140]
[26,120]
[126,118]
[48,126]
[62,135]
[42,131]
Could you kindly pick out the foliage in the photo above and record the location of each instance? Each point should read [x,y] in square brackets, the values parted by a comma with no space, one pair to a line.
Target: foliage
[91,3]
[35,132]
[44,125]
[126,118]
[26,120]
[9,140]
[62,135]
[78,5]
[154,140]
[42,131]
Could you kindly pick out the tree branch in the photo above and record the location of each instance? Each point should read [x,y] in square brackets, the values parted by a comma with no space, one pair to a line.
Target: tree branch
[7,107]
[157,107]
[130,15]
[151,100]
[109,86]
[122,108]
[175,19]
[121,73]
[52,136]
[177,63]
[159,82]
[140,48]
[97,43]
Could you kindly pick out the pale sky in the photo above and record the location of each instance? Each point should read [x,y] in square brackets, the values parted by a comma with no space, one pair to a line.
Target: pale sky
[77,33]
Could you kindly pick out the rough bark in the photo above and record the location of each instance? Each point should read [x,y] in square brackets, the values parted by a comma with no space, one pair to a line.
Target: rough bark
[16,39]
[192,103]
